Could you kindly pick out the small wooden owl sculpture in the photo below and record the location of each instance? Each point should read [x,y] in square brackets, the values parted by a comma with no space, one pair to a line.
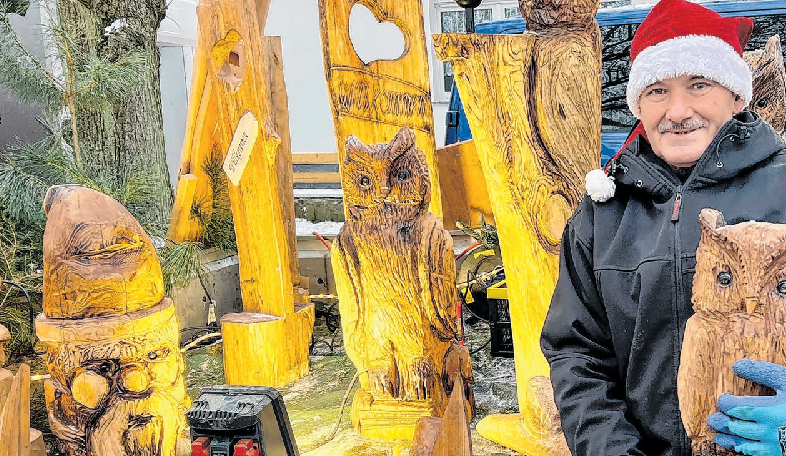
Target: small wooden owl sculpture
[769,83]
[739,296]
[395,273]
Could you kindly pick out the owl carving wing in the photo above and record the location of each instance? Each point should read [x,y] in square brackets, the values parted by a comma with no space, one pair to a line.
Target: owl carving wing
[348,284]
[438,281]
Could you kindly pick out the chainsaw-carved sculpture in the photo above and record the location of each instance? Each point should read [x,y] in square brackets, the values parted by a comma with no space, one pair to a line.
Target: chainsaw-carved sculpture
[533,104]
[396,275]
[110,334]
[242,74]
[769,83]
[739,296]
[373,100]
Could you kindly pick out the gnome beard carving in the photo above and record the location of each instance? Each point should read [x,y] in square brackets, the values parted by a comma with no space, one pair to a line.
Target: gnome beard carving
[111,337]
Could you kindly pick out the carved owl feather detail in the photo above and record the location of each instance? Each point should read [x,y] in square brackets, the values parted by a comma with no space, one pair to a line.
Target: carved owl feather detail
[739,296]
[395,273]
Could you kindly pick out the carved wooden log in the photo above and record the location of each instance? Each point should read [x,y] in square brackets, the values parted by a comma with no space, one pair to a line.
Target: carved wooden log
[396,275]
[533,104]
[449,435]
[373,101]
[739,314]
[111,337]
[246,76]
[769,83]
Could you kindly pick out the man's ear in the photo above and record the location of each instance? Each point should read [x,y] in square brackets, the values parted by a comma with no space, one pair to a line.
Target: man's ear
[739,104]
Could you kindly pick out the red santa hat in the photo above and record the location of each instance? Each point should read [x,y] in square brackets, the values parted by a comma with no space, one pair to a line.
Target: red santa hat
[678,38]
[681,38]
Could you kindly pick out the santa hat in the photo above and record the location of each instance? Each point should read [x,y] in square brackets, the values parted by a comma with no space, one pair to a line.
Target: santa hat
[678,38]
[681,38]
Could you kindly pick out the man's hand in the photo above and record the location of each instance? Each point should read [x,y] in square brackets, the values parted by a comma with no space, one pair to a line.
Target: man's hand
[754,425]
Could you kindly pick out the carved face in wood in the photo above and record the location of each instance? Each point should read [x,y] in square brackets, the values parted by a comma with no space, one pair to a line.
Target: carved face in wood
[97,258]
[121,393]
[741,273]
[385,180]
[769,83]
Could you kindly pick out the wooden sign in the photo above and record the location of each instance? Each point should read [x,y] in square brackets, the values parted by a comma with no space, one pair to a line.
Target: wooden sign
[374,101]
[245,73]
[111,338]
[240,148]
[737,297]
[533,104]
[769,83]
[395,271]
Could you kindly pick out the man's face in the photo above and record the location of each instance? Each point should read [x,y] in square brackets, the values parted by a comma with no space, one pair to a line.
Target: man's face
[682,115]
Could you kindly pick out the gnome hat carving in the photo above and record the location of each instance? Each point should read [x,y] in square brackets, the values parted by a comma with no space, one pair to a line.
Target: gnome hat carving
[680,38]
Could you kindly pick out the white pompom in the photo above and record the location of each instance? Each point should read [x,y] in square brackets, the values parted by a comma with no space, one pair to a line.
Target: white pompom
[600,187]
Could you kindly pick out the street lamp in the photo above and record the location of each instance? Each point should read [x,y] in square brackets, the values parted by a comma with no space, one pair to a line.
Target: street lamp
[469,12]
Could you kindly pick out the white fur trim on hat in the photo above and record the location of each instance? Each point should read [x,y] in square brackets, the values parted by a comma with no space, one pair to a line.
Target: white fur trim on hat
[701,55]
[600,187]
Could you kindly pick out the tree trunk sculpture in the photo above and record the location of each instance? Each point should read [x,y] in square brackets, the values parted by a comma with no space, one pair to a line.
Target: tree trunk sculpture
[533,104]
[111,337]
[374,100]
[268,343]
[739,314]
[769,83]
[396,275]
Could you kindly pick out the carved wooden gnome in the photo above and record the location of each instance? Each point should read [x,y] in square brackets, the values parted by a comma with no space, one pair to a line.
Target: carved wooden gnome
[111,337]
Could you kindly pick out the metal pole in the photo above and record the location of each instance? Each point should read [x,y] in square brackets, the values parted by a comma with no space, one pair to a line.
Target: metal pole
[469,18]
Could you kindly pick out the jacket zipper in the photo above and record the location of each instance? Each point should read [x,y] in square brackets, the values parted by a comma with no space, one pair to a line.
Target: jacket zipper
[675,213]
[678,290]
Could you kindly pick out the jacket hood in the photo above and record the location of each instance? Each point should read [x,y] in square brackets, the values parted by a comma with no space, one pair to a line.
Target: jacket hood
[742,143]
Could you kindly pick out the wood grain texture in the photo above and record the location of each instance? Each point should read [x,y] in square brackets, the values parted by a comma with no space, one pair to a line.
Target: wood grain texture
[15,416]
[374,101]
[396,275]
[180,226]
[449,435]
[739,313]
[465,197]
[769,83]
[533,104]
[111,338]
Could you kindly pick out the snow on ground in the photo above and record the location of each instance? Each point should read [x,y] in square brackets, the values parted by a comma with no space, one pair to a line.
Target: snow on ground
[305,227]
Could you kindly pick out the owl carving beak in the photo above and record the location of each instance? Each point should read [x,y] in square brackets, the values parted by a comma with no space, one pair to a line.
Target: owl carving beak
[751,304]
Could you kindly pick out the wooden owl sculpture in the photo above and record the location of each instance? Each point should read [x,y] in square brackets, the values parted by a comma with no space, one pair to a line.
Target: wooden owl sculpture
[739,296]
[395,273]
[769,83]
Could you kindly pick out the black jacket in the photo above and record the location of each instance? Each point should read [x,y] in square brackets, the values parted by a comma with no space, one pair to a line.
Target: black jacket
[614,329]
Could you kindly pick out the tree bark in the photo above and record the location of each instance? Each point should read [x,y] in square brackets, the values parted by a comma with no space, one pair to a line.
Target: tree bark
[128,138]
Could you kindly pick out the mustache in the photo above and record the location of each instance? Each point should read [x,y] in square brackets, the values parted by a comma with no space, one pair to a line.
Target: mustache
[690,124]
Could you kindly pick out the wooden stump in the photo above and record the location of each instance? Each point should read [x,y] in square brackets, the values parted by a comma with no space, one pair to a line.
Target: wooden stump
[396,275]
[533,104]
[111,338]
[739,313]
[373,101]
[245,72]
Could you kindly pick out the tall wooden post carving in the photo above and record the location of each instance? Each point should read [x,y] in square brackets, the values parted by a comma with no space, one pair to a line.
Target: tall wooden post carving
[738,296]
[268,343]
[111,337]
[373,101]
[769,83]
[396,275]
[533,104]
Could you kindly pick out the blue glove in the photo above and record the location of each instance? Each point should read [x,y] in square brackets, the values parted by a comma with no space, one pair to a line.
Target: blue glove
[754,425]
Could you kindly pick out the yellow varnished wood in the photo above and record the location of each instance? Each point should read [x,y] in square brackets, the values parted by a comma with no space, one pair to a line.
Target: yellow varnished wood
[181,222]
[533,104]
[374,101]
[465,197]
[245,70]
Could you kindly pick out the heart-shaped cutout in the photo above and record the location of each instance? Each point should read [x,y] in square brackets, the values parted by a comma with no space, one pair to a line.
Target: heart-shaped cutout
[374,40]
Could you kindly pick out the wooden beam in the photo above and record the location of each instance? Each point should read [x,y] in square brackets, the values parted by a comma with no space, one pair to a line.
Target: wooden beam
[180,222]
[315,158]
[317,178]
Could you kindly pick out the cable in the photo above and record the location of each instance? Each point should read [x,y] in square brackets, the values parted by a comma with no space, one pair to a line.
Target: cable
[29,301]
[480,348]
[332,435]
[322,239]
[199,340]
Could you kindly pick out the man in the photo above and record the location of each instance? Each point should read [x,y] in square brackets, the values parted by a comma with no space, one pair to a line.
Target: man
[614,331]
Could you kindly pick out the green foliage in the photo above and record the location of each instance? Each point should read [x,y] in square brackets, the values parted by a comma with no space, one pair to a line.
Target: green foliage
[20,251]
[215,215]
[17,321]
[180,263]
[485,233]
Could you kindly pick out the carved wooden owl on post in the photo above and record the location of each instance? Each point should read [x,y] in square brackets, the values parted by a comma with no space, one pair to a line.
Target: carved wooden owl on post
[395,272]
[739,295]
[769,83]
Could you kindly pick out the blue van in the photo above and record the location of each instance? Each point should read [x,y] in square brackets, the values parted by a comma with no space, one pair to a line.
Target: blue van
[617,27]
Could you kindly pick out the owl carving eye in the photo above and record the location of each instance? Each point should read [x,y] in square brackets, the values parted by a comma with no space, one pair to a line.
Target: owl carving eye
[782,287]
[724,278]
[365,181]
[403,175]
[762,103]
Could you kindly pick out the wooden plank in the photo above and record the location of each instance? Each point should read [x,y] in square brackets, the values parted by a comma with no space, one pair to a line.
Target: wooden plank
[180,222]
[374,101]
[23,420]
[464,194]
[12,416]
[317,178]
[315,158]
